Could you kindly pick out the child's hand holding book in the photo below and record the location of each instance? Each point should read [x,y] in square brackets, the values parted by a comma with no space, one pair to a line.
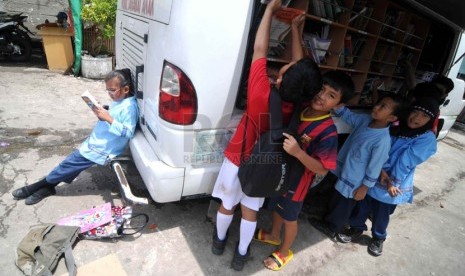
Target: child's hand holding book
[96,107]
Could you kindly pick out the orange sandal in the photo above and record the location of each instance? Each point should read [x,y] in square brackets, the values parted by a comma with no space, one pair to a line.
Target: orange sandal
[260,236]
[280,260]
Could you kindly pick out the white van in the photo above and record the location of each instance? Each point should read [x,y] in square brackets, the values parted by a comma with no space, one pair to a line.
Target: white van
[190,61]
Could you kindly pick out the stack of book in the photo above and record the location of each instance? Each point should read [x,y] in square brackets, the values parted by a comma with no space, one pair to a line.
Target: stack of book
[318,44]
[329,9]
[280,28]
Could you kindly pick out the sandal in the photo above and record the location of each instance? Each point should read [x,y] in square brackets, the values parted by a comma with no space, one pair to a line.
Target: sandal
[260,236]
[280,260]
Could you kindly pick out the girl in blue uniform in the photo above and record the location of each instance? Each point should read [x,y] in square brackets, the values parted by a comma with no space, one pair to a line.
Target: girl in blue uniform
[108,139]
[412,143]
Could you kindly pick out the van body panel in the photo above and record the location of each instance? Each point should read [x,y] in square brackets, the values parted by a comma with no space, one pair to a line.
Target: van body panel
[221,34]
[165,183]
[158,10]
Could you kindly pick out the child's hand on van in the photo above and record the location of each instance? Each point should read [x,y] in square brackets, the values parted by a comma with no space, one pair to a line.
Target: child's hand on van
[103,114]
[290,145]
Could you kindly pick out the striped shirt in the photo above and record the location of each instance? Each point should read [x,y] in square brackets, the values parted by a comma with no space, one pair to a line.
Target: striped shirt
[319,140]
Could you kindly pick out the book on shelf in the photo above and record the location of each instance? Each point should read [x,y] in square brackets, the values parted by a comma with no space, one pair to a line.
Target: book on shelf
[409,33]
[361,22]
[281,24]
[90,100]
[392,22]
[380,51]
[329,9]
[366,94]
[317,46]
[357,45]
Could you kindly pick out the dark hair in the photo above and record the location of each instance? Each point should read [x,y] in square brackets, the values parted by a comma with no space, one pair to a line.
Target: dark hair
[426,89]
[301,81]
[62,16]
[124,77]
[340,81]
[400,108]
[444,81]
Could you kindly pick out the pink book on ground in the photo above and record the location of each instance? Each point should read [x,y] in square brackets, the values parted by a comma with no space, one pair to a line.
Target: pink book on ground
[89,219]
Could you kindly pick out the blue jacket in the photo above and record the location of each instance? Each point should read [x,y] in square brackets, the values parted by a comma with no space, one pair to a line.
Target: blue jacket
[107,141]
[405,155]
[363,154]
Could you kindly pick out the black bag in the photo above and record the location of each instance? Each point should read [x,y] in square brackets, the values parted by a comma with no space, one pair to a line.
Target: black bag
[266,173]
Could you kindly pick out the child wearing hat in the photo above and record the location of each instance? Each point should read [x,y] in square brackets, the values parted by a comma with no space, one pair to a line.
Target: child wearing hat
[412,143]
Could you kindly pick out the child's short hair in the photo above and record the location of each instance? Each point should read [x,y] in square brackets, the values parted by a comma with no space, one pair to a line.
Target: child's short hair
[301,81]
[400,109]
[341,82]
[444,81]
[124,77]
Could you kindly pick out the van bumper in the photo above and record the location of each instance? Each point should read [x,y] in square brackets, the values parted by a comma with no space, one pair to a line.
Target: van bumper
[164,183]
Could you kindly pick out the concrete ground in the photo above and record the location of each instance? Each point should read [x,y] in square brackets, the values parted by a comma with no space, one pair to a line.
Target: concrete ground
[42,119]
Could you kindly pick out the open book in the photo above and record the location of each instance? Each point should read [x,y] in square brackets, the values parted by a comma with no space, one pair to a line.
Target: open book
[90,100]
[281,24]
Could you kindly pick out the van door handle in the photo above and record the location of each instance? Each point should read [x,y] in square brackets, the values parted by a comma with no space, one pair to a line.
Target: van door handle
[446,102]
[139,93]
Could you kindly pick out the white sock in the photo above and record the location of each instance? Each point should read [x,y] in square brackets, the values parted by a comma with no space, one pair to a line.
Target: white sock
[222,224]
[247,230]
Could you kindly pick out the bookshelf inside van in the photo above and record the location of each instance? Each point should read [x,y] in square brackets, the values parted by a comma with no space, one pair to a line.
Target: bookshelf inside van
[372,40]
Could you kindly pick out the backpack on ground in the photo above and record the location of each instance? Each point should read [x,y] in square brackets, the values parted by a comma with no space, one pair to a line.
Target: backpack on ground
[39,251]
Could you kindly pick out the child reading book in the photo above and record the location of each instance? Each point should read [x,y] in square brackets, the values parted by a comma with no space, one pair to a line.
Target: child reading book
[108,139]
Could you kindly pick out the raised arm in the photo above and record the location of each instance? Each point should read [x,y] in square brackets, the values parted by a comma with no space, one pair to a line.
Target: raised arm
[296,27]
[262,38]
[349,117]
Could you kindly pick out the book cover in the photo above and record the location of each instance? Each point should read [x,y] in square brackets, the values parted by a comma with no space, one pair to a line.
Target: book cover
[89,219]
[90,100]
[281,23]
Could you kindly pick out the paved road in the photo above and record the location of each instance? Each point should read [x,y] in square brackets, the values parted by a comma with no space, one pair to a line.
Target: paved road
[42,118]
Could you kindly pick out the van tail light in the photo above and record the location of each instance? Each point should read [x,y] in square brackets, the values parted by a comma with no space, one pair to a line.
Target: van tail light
[178,99]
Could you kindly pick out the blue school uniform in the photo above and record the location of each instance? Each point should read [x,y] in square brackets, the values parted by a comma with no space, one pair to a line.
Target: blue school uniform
[359,163]
[363,154]
[104,143]
[107,141]
[405,155]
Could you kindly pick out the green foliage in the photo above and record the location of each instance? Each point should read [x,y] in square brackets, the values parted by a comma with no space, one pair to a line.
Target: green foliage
[101,13]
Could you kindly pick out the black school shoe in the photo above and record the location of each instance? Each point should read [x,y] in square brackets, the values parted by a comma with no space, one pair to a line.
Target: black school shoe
[375,247]
[23,192]
[239,260]
[28,190]
[217,244]
[349,235]
[39,195]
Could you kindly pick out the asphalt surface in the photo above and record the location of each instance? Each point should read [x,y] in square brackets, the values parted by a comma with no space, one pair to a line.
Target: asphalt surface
[42,119]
